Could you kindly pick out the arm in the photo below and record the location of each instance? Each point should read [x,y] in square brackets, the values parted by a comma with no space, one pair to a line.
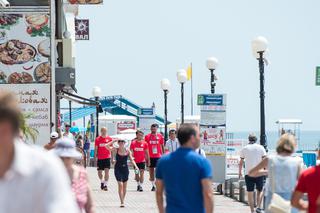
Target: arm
[110,147]
[132,161]
[297,202]
[207,195]
[240,167]
[159,195]
[146,151]
[256,171]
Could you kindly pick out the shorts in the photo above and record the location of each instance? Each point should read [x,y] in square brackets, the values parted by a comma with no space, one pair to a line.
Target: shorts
[121,173]
[103,164]
[141,165]
[254,182]
[153,162]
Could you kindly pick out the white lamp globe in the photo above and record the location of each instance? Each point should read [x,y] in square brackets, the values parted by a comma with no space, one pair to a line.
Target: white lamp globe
[257,54]
[212,63]
[165,84]
[182,76]
[259,44]
[96,91]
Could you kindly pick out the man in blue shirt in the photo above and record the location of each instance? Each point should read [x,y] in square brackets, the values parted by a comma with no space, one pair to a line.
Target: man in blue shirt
[185,177]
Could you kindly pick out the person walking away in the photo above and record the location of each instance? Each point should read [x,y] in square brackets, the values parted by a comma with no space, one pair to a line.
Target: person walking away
[140,152]
[31,180]
[185,176]
[201,152]
[121,168]
[155,143]
[104,158]
[252,154]
[308,183]
[172,144]
[53,138]
[66,150]
[67,132]
[86,148]
[283,170]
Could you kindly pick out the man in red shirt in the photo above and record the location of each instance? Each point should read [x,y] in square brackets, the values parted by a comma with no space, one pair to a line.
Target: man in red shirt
[309,182]
[155,143]
[103,155]
[139,149]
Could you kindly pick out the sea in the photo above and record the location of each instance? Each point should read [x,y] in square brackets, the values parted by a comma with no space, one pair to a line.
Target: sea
[307,141]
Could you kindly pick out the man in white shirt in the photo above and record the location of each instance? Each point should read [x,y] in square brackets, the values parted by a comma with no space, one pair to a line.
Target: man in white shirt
[67,132]
[252,154]
[172,144]
[30,179]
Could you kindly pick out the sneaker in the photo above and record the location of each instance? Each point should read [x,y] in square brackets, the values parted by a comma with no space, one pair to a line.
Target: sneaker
[102,186]
[122,205]
[140,189]
[258,210]
[153,188]
[105,188]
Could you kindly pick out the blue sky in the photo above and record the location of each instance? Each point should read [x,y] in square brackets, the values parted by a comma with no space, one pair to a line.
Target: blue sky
[135,43]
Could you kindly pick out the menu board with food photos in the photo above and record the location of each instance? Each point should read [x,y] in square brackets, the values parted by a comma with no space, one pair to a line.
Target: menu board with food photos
[25,48]
[85,1]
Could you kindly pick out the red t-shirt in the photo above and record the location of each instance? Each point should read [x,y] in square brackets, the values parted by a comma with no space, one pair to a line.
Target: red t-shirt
[155,143]
[309,182]
[103,152]
[139,149]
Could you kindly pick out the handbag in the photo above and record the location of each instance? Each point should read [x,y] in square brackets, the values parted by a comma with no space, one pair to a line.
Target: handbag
[277,204]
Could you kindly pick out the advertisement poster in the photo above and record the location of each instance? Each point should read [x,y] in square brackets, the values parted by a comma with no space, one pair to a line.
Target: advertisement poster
[147,117]
[125,126]
[34,100]
[85,1]
[82,29]
[213,140]
[24,48]
[234,147]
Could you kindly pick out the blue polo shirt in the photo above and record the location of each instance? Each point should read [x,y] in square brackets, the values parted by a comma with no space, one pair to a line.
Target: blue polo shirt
[182,172]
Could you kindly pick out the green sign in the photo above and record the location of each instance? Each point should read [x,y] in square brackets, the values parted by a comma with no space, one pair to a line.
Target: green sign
[317,76]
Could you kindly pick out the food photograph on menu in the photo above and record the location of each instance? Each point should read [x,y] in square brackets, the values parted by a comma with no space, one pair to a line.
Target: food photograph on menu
[24,48]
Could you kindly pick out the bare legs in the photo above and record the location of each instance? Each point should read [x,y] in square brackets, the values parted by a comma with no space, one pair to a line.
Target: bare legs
[251,201]
[104,180]
[122,191]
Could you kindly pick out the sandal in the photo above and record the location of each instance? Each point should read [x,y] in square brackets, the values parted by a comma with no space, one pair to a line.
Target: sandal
[122,205]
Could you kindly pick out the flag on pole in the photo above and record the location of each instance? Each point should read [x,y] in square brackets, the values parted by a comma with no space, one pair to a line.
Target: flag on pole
[89,127]
[189,72]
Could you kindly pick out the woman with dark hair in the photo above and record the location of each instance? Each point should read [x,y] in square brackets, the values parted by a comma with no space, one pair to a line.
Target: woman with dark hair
[121,168]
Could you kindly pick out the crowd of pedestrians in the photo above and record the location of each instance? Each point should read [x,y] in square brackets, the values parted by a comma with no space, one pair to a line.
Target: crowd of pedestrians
[178,170]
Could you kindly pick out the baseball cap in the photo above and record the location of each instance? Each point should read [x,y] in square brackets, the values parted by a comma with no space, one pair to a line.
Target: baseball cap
[54,135]
[66,147]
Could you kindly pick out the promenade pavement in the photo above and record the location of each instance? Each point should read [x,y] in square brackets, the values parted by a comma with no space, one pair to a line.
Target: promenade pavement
[143,202]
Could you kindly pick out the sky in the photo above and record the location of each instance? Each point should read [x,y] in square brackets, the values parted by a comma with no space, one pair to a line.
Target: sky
[135,43]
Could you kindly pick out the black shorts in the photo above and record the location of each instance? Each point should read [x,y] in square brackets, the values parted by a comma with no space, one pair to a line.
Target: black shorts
[141,166]
[252,182]
[153,162]
[104,164]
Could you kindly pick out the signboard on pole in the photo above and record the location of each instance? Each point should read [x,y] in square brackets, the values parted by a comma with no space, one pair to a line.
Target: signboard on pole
[213,131]
[317,76]
[82,29]
[147,117]
[34,100]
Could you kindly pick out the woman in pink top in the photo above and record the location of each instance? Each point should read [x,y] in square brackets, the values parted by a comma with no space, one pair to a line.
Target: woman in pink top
[66,150]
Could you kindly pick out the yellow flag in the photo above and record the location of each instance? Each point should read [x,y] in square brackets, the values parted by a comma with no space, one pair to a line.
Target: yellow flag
[189,72]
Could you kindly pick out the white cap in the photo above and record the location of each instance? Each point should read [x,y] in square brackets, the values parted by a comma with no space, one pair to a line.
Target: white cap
[54,135]
[66,147]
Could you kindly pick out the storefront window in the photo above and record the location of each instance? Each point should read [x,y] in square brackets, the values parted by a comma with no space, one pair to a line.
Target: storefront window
[29,2]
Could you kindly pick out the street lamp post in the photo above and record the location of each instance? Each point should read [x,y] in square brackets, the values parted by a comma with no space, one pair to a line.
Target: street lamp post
[212,64]
[259,47]
[165,86]
[182,78]
[96,92]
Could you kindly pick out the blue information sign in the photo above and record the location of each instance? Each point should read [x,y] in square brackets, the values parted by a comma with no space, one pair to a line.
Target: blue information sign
[146,111]
[211,99]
